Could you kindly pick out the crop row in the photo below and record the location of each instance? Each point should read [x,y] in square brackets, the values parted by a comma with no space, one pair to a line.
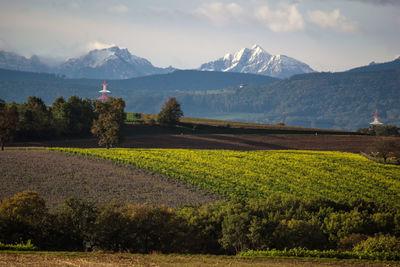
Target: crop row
[335,176]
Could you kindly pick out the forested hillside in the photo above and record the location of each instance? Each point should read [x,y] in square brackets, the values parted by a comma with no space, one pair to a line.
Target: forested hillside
[345,100]
[323,100]
[17,86]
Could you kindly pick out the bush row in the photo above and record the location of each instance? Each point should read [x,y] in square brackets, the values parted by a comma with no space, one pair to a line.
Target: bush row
[221,228]
[304,253]
[19,247]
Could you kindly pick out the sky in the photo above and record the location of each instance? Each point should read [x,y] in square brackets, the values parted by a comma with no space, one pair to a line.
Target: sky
[328,35]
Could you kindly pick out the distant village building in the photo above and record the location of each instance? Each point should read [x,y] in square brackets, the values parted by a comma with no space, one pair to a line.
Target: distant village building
[376,122]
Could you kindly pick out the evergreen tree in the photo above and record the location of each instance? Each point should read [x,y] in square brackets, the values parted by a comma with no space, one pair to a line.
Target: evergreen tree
[170,113]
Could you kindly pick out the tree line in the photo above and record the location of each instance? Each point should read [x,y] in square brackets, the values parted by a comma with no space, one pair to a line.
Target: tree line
[226,227]
[33,120]
[76,117]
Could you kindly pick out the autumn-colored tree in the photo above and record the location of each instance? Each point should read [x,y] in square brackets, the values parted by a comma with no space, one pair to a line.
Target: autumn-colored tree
[21,217]
[110,119]
[170,113]
[9,123]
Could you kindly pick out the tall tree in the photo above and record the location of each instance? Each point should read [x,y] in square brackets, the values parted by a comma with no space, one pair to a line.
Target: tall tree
[36,119]
[59,116]
[73,117]
[110,119]
[9,123]
[170,113]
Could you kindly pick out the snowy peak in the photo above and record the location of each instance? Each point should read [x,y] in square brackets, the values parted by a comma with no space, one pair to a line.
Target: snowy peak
[97,58]
[257,61]
[109,63]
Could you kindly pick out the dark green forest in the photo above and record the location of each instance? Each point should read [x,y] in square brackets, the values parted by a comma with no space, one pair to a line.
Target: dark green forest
[345,100]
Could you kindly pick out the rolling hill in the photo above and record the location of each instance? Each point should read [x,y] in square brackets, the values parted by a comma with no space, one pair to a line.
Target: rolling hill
[345,100]
[17,86]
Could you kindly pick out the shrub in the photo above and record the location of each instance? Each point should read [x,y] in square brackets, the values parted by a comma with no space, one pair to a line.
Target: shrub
[19,247]
[298,233]
[21,217]
[379,243]
[349,242]
[149,119]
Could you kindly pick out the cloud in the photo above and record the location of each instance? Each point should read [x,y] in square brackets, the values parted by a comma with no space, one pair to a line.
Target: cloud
[333,20]
[119,9]
[98,45]
[378,2]
[286,18]
[222,14]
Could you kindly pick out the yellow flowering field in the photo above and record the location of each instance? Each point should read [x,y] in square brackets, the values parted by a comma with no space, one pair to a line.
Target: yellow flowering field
[335,176]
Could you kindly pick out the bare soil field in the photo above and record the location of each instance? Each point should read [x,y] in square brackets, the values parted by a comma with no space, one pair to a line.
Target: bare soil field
[58,176]
[345,143]
[47,259]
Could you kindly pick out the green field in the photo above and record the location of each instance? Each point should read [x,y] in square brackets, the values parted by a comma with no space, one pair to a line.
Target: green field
[336,176]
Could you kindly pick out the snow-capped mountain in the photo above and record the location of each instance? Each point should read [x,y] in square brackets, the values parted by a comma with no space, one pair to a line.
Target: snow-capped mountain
[12,61]
[109,63]
[256,60]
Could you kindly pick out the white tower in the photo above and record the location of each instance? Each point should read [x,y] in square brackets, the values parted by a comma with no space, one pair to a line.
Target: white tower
[104,92]
[376,122]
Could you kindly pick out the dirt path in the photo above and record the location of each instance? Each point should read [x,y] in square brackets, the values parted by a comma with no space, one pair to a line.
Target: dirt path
[47,259]
[58,176]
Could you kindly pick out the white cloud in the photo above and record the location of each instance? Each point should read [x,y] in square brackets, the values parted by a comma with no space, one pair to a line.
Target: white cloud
[286,18]
[222,14]
[119,9]
[333,20]
[98,45]
[379,2]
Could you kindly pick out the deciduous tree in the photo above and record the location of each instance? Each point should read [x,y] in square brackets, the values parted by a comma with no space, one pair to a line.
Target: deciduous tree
[9,123]
[110,119]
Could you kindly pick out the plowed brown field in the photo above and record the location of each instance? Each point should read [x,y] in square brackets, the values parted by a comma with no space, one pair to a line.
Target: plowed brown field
[345,143]
[58,176]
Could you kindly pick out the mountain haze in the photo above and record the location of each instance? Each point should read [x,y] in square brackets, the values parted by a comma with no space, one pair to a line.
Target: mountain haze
[108,63]
[257,61]
[13,61]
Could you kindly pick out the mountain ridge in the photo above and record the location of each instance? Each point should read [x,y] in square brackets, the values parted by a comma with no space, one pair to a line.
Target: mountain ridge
[389,65]
[257,61]
[109,63]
